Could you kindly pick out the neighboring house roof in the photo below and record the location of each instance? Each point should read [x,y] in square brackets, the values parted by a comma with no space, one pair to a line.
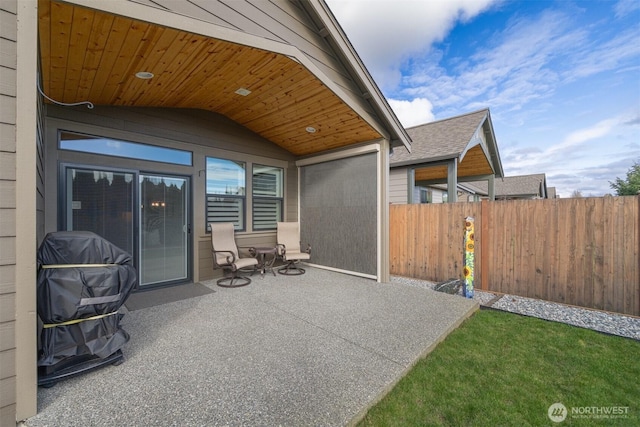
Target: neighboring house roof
[468,136]
[471,187]
[519,186]
[462,186]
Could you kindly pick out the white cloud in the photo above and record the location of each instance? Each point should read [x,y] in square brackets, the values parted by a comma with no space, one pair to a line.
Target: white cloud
[578,162]
[412,113]
[568,149]
[526,61]
[597,56]
[511,71]
[386,32]
[556,78]
[580,136]
[625,7]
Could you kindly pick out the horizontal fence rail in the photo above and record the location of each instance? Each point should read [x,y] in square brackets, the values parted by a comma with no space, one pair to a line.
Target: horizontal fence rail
[579,251]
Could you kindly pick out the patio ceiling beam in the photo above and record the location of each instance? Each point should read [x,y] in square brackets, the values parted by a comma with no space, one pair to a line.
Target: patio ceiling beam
[460,179]
[491,192]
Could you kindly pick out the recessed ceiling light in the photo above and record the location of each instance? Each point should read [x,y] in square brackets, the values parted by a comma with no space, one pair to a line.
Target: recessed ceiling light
[310,129]
[144,75]
[243,92]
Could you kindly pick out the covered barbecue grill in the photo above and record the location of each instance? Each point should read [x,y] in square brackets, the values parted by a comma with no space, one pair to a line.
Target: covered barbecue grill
[83,280]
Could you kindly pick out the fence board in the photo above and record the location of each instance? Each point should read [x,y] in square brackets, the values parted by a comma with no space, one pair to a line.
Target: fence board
[436,266]
[576,251]
[610,245]
[630,261]
[538,251]
[484,244]
[618,275]
[525,278]
[585,291]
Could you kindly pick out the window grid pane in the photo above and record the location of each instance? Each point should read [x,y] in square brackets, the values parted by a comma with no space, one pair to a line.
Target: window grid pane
[225,209]
[267,181]
[266,213]
[226,192]
[225,177]
[267,189]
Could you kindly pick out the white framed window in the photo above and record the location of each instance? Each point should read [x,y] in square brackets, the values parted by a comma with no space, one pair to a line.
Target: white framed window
[226,187]
[268,191]
[131,150]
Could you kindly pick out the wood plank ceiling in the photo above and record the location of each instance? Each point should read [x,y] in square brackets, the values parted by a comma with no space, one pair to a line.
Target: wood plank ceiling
[88,55]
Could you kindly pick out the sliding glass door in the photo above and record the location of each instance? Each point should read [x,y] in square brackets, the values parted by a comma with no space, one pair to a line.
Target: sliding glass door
[163,229]
[101,201]
[156,233]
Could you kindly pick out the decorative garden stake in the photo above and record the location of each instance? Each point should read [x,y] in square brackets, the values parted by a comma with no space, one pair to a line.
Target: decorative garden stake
[469,244]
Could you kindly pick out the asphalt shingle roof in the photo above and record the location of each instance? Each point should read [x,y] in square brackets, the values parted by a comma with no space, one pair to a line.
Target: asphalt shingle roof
[442,139]
[519,185]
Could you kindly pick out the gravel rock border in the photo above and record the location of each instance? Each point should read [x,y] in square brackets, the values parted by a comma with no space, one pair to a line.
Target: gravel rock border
[602,321]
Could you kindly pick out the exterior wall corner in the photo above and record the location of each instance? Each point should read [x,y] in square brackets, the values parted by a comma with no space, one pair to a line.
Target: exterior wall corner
[26,196]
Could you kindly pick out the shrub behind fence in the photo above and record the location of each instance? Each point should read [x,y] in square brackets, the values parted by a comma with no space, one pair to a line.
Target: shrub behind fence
[580,251]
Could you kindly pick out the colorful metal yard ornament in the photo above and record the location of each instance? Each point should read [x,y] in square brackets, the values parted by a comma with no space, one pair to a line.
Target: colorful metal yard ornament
[469,256]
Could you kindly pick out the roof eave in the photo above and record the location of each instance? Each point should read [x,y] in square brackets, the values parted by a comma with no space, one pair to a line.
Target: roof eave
[351,60]
[429,162]
[493,148]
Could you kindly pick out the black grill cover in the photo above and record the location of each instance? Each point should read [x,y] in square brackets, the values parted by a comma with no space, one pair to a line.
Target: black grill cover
[69,288]
[101,338]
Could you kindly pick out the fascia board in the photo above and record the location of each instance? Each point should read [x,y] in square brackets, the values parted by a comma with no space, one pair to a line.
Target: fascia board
[474,141]
[169,19]
[493,148]
[433,161]
[490,149]
[334,29]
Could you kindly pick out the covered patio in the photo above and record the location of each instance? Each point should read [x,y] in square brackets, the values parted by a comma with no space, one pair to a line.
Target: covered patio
[146,121]
[317,349]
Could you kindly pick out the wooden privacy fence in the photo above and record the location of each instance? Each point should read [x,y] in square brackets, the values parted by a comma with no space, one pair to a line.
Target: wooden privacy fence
[581,251]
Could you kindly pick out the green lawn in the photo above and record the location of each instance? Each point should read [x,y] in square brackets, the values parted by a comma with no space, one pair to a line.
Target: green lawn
[501,369]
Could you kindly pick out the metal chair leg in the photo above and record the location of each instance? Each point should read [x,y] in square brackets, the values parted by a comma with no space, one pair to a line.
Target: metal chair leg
[233,281]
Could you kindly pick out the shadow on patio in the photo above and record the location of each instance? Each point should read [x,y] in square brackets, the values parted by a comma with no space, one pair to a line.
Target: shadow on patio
[316,349]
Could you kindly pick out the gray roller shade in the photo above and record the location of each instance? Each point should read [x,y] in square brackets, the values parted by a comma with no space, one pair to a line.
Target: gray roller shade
[338,213]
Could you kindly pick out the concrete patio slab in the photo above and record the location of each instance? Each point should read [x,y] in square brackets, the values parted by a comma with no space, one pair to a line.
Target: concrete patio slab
[311,350]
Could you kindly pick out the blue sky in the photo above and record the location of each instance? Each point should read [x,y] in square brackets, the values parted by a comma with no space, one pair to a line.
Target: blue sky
[561,78]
